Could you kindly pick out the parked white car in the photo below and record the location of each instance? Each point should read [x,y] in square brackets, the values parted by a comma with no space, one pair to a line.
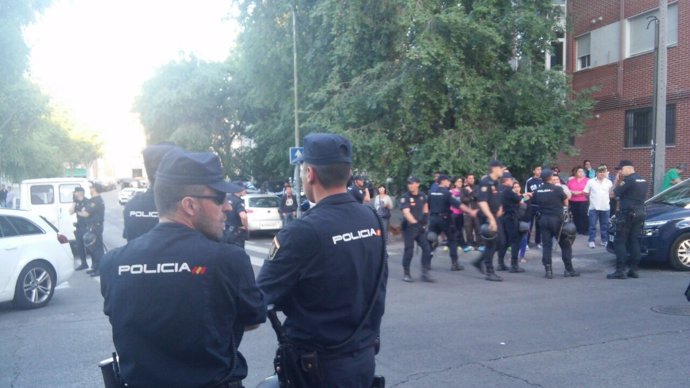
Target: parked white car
[263,212]
[128,193]
[34,259]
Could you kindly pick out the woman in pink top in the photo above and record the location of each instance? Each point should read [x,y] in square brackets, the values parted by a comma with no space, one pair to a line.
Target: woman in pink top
[579,204]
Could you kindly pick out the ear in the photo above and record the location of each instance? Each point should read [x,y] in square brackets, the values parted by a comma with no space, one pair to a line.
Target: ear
[311,174]
[188,206]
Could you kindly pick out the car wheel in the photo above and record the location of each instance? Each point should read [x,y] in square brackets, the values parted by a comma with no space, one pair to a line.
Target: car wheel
[35,286]
[680,253]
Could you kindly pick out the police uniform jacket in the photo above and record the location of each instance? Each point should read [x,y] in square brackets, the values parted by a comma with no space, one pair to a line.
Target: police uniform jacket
[510,202]
[416,205]
[440,201]
[178,303]
[96,209]
[322,272]
[548,200]
[632,192]
[140,215]
[79,206]
[489,192]
[233,216]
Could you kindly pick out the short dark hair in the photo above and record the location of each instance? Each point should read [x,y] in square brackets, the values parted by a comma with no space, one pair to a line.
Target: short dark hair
[333,175]
[385,190]
[167,195]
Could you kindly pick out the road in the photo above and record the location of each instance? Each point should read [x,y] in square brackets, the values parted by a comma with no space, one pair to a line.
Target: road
[461,331]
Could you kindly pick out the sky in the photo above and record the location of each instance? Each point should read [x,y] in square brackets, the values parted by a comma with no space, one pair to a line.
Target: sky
[93,56]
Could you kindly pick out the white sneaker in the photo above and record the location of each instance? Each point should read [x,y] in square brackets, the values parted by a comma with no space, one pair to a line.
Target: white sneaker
[540,246]
[603,244]
[592,244]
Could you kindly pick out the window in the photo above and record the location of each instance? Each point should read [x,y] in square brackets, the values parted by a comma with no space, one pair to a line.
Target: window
[67,192]
[42,195]
[641,38]
[264,202]
[583,57]
[6,229]
[638,127]
[24,226]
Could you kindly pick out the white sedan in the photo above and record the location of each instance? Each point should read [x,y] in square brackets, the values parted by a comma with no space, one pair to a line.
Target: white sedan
[262,212]
[34,259]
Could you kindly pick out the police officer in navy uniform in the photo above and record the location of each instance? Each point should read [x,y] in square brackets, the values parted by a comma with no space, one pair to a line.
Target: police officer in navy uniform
[237,223]
[551,203]
[323,269]
[177,298]
[631,191]
[358,190]
[489,201]
[140,214]
[415,210]
[440,221]
[509,225]
[77,206]
[93,213]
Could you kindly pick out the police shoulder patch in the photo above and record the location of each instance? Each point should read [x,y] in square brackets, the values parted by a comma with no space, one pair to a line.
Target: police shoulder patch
[274,248]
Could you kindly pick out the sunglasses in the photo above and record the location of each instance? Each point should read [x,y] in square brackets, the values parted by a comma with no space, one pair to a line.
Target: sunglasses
[219,198]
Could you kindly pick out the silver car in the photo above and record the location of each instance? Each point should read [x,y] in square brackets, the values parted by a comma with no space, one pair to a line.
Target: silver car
[263,212]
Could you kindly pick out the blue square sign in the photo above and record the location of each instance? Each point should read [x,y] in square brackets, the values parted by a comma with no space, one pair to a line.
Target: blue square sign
[296,152]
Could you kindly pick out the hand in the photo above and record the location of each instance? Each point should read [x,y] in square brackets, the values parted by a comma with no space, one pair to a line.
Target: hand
[492,225]
[473,213]
[527,195]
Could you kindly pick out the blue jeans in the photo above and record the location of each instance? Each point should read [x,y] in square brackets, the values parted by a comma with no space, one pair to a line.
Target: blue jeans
[601,216]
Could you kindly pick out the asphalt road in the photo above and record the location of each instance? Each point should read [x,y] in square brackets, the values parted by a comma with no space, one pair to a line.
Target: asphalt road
[461,331]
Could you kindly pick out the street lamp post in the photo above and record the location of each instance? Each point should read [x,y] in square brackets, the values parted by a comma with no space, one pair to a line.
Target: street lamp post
[294,80]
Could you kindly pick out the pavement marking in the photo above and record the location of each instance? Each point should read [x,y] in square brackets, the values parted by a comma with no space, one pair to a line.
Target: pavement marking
[260,253]
[62,286]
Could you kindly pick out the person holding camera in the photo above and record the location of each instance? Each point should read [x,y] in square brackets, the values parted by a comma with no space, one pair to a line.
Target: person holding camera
[78,205]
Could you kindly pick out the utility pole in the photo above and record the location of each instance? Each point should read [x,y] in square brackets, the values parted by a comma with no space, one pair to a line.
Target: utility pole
[296,179]
[659,103]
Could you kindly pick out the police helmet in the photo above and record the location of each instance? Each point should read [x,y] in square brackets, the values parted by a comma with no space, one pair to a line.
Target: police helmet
[432,237]
[486,232]
[569,229]
[524,227]
[89,239]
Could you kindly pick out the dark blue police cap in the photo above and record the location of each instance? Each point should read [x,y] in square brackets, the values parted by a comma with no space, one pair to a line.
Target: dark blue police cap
[546,174]
[321,149]
[443,177]
[179,167]
[495,163]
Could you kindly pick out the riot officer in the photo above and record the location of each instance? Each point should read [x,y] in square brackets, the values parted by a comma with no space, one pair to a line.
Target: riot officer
[77,206]
[236,223]
[415,210]
[509,225]
[489,202]
[140,214]
[551,203]
[179,300]
[440,221]
[631,190]
[327,272]
[94,215]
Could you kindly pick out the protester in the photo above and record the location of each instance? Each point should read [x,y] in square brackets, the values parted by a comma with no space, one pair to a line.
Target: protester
[383,204]
[598,191]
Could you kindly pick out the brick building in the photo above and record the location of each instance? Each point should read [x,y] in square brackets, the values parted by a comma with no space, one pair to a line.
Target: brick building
[608,46]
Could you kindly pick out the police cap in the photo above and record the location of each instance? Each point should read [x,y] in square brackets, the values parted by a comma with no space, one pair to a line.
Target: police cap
[443,177]
[153,155]
[495,163]
[624,163]
[412,179]
[322,149]
[78,189]
[546,174]
[179,167]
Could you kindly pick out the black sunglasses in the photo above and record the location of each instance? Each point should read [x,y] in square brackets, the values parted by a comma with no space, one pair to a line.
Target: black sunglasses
[218,199]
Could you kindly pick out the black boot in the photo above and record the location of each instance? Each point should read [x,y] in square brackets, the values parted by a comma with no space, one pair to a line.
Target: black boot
[632,272]
[491,275]
[549,271]
[408,277]
[501,265]
[455,266]
[426,277]
[570,271]
[514,267]
[619,274]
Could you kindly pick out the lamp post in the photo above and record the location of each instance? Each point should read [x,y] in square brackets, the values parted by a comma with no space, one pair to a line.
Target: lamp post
[294,80]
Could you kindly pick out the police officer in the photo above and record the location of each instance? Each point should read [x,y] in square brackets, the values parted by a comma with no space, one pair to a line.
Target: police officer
[358,190]
[551,203]
[324,268]
[93,213]
[237,223]
[140,214]
[509,225]
[177,298]
[440,221]
[77,206]
[415,210]
[631,190]
[489,202]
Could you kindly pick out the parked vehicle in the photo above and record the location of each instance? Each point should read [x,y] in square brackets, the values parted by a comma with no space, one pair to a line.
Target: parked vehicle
[263,212]
[34,258]
[128,193]
[52,198]
[666,233]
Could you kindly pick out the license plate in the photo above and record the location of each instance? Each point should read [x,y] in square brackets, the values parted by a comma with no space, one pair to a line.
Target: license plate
[611,238]
[270,225]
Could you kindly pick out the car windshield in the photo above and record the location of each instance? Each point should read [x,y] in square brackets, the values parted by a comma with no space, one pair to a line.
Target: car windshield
[678,195]
[264,202]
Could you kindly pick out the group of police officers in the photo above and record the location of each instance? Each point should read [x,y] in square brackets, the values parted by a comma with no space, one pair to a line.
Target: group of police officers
[181,293]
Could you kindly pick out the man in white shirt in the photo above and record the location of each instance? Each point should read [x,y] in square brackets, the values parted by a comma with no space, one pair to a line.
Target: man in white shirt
[598,190]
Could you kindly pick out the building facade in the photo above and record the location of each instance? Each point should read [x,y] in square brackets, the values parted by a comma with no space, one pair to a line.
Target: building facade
[609,48]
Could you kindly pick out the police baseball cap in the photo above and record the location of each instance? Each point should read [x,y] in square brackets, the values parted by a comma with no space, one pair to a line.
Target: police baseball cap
[153,155]
[546,174]
[412,179]
[357,178]
[78,189]
[624,163]
[179,167]
[443,177]
[495,163]
[322,149]
[507,175]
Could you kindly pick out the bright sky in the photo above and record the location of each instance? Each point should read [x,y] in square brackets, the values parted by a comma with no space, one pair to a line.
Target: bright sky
[92,57]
